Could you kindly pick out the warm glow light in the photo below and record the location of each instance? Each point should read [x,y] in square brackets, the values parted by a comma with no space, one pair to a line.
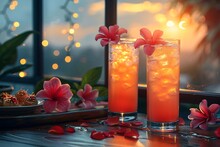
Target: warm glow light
[23,61]
[76,26]
[71,31]
[140,7]
[170,23]
[173,12]
[68,59]
[56,53]
[14,2]
[76,1]
[77,44]
[70,38]
[75,15]
[22,74]
[64,31]
[16,24]
[182,25]
[55,66]
[11,7]
[45,43]
[160,18]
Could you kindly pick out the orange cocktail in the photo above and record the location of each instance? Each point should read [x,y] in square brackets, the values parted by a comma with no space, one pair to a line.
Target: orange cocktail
[123,77]
[163,74]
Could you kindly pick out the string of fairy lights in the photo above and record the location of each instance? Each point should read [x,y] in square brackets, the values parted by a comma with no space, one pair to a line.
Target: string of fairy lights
[8,26]
[70,17]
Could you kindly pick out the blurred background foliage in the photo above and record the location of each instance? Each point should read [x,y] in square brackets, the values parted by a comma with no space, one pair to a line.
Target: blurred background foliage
[205,12]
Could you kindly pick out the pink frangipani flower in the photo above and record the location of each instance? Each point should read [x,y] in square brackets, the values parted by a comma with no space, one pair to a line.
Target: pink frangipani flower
[109,35]
[149,40]
[88,96]
[57,96]
[204,115]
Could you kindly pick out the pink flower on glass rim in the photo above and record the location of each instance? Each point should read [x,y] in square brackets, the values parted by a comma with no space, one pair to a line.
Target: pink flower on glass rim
[204,115]
[149,40]
[57,96]
[88,96]
[109,35]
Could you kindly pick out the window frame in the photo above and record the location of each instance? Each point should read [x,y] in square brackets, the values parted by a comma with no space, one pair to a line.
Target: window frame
[186,96]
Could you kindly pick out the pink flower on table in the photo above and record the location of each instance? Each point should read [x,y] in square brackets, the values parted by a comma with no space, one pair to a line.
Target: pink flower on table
[109,35]
[204,115]
[57,96]
[88,96]
[149,40]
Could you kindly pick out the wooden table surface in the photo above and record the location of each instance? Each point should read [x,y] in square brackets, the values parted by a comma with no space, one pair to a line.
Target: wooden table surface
[39,136]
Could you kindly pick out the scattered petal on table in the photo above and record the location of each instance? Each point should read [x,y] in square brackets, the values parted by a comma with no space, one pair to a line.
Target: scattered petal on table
[70,130]
[112,121]
[56,130]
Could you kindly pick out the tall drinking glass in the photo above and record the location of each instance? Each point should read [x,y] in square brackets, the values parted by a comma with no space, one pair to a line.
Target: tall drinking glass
[163,74]
[123,79]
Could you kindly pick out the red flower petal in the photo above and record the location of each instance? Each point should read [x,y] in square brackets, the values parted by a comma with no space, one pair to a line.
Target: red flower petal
[139,42]
[56,130]
[217,132]
[70,130]
[203,126]
[43,94]
[99,36]
[133,134]
[112,34]
[137,123]
[146,34]
[148,49]
[121,131]
[87,104]
[97,135]
[111,121]
[63,106]
[181,121]
[52,85]
[156,35]
[121,31]
[125,124]
[195,123]
[214,108]
[203,107]
[63,92]
[108,134]
[104,42]
[104,30]
[196,114]
[113,31]
[49,106]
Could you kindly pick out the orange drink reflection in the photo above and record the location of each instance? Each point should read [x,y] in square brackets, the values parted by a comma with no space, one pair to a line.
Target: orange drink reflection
[163,85]
[123,77]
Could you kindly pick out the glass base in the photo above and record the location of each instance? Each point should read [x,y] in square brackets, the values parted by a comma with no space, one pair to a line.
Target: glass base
[124,116]
[162,127]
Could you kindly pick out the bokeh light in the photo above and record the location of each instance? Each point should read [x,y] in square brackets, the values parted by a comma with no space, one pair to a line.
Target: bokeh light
[22,74]
[45,43]
[55,66]
[68,59]
[77,44]
[23,61]
[56,52]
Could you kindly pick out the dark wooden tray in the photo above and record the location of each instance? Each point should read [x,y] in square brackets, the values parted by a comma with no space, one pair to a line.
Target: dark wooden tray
[51,118]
